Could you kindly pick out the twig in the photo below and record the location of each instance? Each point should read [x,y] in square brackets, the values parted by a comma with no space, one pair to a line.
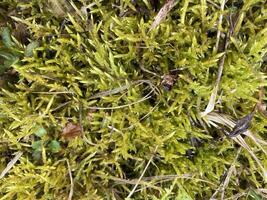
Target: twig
[71,181]
[148,163]
[11,164]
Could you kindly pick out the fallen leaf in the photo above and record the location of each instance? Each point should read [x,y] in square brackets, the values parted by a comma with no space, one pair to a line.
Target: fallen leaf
[71,130]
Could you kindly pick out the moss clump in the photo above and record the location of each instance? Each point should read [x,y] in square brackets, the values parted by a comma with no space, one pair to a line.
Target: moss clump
[90,111]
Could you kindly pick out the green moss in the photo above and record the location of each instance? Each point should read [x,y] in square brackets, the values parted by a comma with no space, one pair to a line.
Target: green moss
[98,64]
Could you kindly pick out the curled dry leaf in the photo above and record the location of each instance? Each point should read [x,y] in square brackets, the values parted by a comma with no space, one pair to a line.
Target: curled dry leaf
[71,130]
[242,125]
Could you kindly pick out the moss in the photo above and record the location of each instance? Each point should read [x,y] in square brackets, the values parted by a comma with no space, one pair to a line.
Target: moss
[97,65]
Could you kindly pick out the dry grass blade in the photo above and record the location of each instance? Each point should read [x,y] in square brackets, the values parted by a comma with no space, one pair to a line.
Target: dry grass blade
[120,89]
[163,13]
[143,173]
[122,106]
[224,184]
[211,104]
[146,181]
[71,181]
[257,141]
[219,24]
[262,192]
[261,106]
[242,142]
[59,7]
[218,120]
[11,164]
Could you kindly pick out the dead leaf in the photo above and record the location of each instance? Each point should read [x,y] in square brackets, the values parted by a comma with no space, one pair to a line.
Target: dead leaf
[71,130]
[163,13]
[242,125]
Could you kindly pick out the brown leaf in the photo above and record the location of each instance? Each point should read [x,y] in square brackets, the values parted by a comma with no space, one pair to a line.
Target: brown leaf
[163,13]
[71,130]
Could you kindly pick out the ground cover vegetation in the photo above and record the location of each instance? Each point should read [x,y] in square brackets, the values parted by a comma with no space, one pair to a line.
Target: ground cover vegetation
[137,99]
